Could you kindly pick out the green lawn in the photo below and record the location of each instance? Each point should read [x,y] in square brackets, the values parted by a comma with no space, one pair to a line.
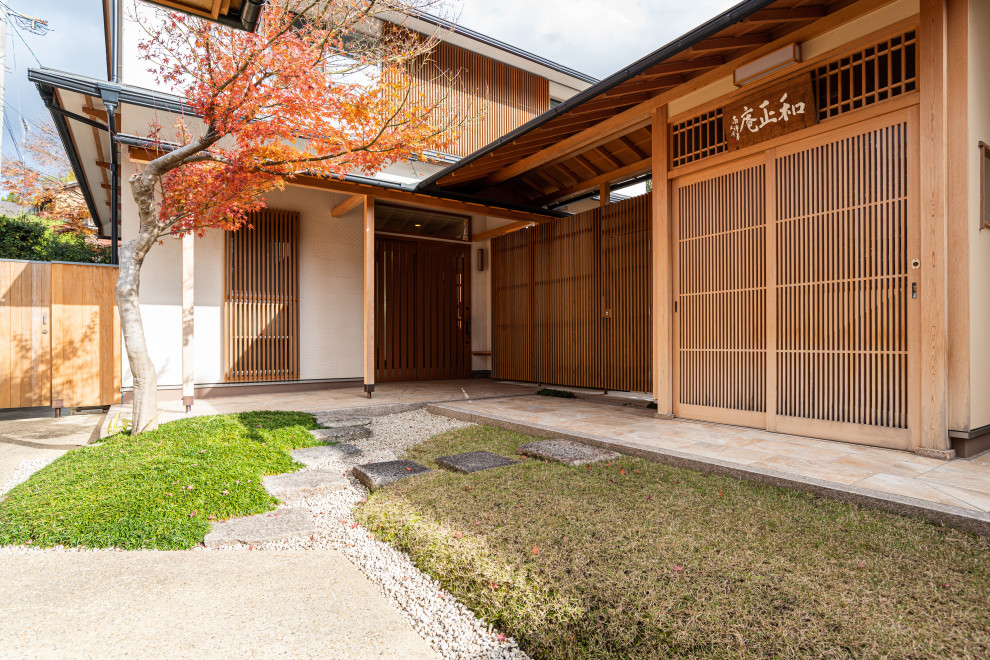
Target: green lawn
[157,490]
[640,560]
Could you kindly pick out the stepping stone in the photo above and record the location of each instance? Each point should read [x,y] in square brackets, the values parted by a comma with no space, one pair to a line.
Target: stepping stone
[254,530]
[305,483]
[341,433]
[567,452]
[376,475]
[474,461]
[314,455]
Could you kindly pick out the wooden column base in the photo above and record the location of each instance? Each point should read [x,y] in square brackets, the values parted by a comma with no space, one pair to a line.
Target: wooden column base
[369,389]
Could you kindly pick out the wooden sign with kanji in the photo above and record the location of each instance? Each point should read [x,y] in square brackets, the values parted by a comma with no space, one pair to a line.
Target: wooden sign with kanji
[770,112]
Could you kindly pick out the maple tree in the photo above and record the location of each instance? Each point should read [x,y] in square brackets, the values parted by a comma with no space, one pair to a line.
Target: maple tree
[320,89]
[44,180]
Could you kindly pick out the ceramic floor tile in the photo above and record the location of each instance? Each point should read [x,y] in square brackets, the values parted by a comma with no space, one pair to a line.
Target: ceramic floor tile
[740,455]
[959,478]
[817,470]
[798,451]
[978,499]
[876,464]
[916,488]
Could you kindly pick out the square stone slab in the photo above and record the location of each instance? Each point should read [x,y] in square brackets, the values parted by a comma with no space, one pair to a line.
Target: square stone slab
[341,433]
[341,423]
[254,530]
[320,453]
[474,461]
[567,452]
[376,475]
[305,483]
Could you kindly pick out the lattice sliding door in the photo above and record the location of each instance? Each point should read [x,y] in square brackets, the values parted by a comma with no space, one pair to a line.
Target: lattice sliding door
[261,299]
[842,293]
[720,275]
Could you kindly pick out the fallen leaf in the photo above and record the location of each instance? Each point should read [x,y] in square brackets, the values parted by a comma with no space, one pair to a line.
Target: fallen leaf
[536,550]
[587,465]
[477,522]
[408,469]
[225,491]
[354,525]
[678,568]
[500,637]
[168,494]
[649,497]
[612,480]
[458,535]
[622,471]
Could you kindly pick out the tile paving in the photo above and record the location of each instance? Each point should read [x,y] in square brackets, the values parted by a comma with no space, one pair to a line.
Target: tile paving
[964,484]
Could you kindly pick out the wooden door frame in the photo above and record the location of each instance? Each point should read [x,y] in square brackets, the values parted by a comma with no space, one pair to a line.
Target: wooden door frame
[876,118]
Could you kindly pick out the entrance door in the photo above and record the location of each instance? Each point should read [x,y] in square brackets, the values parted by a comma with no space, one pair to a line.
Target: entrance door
[421,310]
[25,322]
[815,339]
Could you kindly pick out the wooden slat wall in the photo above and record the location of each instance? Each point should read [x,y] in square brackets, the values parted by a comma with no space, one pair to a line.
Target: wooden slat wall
[842,292]
[261,300]
[421,310]
[25,349]
[505,96]
[721,273]
[571,300]
[85,335]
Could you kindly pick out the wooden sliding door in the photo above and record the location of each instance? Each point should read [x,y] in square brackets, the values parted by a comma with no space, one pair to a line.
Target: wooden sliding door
[261,299]
[421,310]
[720,268]
[794,305]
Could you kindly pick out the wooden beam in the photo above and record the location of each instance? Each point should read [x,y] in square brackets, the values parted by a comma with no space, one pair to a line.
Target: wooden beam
[369,294]
[590,184]
[789,15]
[660,243]
[350,203]
[502,231]
[934,319]
[408,198]
[732,43]
[666,69]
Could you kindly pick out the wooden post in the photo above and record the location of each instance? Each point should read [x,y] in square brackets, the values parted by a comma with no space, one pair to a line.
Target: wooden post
[188,310]
[934,318]
[605,194]
[369,295]
[662,303]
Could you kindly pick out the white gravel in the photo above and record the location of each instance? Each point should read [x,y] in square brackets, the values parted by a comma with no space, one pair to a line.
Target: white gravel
[449,627]
[24,471]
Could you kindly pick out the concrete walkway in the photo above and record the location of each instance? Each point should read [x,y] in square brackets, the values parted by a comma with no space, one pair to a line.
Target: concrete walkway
[293,604]
[955,492]
[38,434]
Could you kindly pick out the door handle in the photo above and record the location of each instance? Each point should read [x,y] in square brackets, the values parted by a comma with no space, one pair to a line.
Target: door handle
[44,322]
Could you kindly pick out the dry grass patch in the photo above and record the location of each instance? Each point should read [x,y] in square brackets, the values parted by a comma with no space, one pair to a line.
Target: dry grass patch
[638,559]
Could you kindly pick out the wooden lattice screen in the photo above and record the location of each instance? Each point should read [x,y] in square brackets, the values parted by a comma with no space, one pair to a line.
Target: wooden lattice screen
[721,274]
[842,294]
[571,300]
[695,138]
[261,299]
[868,76]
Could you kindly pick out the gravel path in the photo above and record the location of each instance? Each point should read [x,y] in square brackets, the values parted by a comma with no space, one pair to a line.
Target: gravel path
[25,470]
[447,625]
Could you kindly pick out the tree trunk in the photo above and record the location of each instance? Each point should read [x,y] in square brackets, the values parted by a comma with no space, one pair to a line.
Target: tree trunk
[144,416]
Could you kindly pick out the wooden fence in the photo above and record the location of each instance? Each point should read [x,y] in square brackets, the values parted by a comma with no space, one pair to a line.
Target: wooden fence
[62,335]
[571,300]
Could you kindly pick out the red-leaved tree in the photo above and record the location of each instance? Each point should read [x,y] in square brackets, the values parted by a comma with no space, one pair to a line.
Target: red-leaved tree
[319,89]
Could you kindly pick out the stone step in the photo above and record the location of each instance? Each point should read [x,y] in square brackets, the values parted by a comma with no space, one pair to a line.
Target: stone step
[305,483]
[288,523]
[320,453]
[473,461]
[342,423]
[566,451]
[341,433]
[376,475]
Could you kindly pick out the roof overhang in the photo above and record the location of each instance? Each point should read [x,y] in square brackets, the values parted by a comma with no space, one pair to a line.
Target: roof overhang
[604,134]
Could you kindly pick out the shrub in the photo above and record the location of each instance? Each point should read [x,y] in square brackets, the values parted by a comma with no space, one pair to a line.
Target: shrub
[30,238]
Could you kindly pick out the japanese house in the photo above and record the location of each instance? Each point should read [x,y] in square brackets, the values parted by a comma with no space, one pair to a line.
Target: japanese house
[809,259]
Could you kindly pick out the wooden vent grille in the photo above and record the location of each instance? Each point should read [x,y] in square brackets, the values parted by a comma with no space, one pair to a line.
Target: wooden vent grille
[697,138]
[722,292]
[261,301]
[571,300]
[842,292]
[874,74]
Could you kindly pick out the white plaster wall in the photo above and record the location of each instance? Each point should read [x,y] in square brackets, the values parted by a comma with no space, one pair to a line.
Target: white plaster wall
[979,255]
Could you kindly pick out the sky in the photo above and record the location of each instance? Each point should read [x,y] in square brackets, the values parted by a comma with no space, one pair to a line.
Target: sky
[597,37]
